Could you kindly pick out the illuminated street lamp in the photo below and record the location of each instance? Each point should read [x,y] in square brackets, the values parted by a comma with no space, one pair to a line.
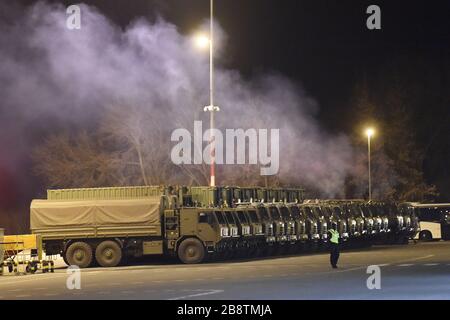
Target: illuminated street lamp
[201,41]
[369,132]
[204,42]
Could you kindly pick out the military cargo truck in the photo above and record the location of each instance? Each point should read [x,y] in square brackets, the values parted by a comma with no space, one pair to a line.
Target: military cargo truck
[105,226]
[108,231]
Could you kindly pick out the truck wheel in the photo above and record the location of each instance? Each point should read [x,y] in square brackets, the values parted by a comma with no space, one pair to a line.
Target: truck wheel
[65,259]
[79,254]
[108,254]
[425,236]
[191,251]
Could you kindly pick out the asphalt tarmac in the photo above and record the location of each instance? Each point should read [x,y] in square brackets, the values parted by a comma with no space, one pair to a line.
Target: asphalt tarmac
[414,271]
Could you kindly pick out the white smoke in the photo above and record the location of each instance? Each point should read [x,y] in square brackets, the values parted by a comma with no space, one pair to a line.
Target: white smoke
[53,78]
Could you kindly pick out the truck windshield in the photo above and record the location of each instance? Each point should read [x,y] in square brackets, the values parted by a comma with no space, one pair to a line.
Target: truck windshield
[295,211]
[274,213]
[285,212]
[242,217]
[337,211]
[345,212]
[220,217]
[316,212]
[308,212]
[366,211]
[327,212]
[355,211]
[263,213]
[229,217]
[373,210]
[253,216]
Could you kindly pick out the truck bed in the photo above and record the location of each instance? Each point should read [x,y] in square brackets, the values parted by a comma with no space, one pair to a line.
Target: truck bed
[60,219]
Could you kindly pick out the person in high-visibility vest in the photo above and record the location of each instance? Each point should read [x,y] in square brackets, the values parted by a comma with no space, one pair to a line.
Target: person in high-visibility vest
[334,245]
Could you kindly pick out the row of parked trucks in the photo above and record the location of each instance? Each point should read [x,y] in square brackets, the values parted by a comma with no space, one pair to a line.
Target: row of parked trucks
[105,226]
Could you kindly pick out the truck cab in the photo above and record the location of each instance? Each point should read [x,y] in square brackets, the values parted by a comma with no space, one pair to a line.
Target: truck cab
[278,223]
[369,220]
[267,224]
[377,217]
[323,222]
[352,227]
[383,212]
[289,223]
[355,220]
[235,237]
[414,228]
[245,241]
[300,223]
[341,221]
[312,223]
[256,230]
[396,220]
[256,226]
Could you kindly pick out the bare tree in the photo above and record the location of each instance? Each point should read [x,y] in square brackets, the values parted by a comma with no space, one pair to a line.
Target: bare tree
[72,162]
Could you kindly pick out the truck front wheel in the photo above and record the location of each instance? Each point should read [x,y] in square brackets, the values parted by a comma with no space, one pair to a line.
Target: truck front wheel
[108,254]
[79,254]
[191,251]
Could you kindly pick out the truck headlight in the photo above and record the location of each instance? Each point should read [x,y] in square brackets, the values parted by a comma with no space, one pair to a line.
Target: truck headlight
[224,232]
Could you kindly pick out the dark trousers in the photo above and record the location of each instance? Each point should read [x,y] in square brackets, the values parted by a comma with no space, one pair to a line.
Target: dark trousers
[334,254]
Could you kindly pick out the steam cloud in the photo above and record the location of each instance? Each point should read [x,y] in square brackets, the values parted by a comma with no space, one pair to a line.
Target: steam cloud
[53,78]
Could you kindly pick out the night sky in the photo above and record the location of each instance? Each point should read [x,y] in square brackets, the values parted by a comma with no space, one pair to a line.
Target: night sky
[325,47]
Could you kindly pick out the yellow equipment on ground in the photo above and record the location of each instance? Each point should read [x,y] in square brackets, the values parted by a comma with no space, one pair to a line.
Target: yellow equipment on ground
[23,254]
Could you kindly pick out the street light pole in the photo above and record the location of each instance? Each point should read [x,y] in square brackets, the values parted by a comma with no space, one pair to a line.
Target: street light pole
[369,132]
[211,108]
[370,176]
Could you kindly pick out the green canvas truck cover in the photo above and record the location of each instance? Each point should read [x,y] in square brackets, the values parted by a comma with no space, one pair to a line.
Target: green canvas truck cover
[95,214]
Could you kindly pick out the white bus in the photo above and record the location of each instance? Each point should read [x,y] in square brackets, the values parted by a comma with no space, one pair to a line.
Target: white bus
[434,220]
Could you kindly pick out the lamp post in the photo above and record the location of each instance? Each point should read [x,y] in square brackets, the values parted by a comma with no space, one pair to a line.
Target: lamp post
[203,42]
[369,132]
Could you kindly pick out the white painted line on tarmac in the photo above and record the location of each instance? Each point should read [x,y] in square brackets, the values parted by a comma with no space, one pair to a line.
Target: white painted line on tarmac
[431,264]
[420,258]
[127,292]
[104,292]
[384,265]
[209,292]
[32,278]
[364,267]
[405,265]
[50,294]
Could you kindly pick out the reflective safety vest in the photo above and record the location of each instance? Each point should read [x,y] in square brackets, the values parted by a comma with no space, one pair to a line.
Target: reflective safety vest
[334,236]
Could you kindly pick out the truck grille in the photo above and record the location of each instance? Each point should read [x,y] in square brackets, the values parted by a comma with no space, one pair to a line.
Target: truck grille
[302,228]
[315,230]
